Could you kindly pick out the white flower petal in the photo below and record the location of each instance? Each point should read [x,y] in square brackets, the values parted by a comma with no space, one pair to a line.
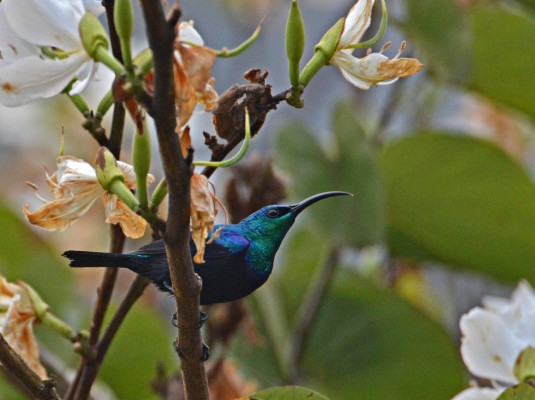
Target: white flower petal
[489,348]
[30,78]
[46,23]
[357,21]
[94,6]
[11,45]
[478,394]
[85,75]
[117,212]
[188,34]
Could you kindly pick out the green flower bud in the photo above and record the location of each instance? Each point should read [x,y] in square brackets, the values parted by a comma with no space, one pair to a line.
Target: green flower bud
[524,368]
[295,41]
[92,34]
[144,62]
[323,52]
[107,169]
[141,161]
[123,16]
[39,305]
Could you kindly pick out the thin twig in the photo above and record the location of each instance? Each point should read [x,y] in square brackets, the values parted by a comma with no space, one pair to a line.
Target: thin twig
[308,312]
[17,367]
[186,286]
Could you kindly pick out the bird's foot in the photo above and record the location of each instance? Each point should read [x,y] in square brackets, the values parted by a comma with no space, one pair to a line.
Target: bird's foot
[205,354]
[168,287]
[174,320]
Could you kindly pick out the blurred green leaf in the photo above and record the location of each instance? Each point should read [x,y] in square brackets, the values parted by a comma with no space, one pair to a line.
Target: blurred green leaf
[523,391]
[143,341]
[286,393]
[24,256]
[460,200]
[366,344]
[503,57]
[7,391]
[349,165]
[439,30]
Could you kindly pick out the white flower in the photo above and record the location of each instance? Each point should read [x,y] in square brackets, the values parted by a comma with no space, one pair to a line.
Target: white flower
[374,68]
[75,188]
[27,29]
[493,338]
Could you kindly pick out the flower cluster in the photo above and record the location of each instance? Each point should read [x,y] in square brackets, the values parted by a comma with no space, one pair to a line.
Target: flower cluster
[41,52]
[494,336]
[75,188]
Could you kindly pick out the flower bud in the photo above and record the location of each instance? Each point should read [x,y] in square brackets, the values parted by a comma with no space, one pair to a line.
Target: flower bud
[123,16]
[92,34]
[524,368]
[111,178]
[107,169]
[39,305]
[295,41]
[141,160]
[323,52]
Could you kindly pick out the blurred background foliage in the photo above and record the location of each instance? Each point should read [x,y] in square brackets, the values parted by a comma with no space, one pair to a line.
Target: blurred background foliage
[441,166]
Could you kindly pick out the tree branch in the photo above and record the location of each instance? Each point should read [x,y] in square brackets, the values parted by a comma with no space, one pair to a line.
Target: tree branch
[17,367]
[186,285]
[309,311]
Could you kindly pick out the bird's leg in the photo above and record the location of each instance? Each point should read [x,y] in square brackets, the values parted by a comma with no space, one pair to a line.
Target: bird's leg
[202,319]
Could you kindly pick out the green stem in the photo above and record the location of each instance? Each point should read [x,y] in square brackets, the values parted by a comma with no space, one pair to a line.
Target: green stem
[238,156]
[102,55]
[80,103]
[318,61]
[50,320]
[159,194]
[226,53]
[380,33]
[105,104]
[118,188]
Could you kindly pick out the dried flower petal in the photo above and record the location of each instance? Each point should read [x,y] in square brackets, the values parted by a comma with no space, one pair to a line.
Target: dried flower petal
[16,324]
[117,212]
[203,210]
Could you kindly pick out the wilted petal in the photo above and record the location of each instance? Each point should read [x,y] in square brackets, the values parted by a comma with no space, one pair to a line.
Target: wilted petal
[59,214]
[357,21]
[478,394]
[374,69]
[489,348]
[46,23]
[117,212]
[203,211]
[32,77]
[16,325]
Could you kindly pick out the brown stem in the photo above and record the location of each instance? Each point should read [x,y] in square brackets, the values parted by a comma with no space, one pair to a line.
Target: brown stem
[309,311]
[17,367]
[186,285]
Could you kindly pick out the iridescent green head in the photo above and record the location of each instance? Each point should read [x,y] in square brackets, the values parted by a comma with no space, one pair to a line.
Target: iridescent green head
[273,222]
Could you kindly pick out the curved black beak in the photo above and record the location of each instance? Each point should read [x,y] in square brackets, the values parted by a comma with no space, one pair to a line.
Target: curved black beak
[297,208]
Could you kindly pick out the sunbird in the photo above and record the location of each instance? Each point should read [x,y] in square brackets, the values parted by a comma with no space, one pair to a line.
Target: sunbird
[238,260]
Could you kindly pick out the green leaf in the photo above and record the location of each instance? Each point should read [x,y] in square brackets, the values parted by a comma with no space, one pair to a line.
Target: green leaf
[367,343]
[349,165]
[24,256]
[460,200]
[142,342]
[502,57]
[286,393]
[438,30]
[523,391]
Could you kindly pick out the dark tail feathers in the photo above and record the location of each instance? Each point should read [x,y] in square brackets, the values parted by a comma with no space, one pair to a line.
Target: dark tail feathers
[96,259]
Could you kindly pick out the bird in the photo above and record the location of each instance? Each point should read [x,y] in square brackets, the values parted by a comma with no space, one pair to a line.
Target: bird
[238,259]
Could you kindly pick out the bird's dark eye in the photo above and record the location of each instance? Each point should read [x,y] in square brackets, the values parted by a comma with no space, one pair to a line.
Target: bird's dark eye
[273,213]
